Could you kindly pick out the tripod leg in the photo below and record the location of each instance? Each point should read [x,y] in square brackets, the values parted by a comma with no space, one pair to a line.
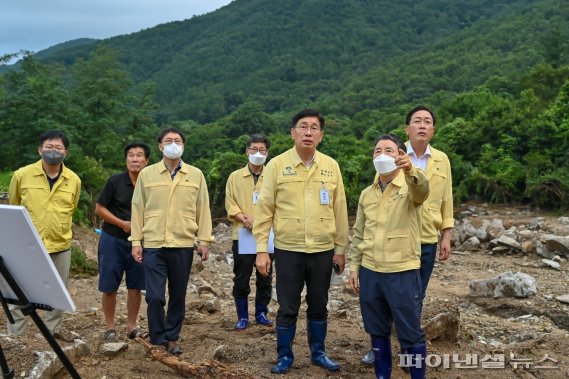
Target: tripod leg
[7,372]
[30,309]
[6,309]
[54,345]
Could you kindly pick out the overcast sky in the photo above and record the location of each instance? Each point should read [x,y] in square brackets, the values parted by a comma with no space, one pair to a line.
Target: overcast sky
[35,25]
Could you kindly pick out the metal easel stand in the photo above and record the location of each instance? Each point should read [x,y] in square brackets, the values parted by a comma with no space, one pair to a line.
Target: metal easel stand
[29,309]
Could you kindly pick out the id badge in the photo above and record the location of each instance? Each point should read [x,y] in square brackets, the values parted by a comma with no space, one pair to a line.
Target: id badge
[255,197]
[324,196]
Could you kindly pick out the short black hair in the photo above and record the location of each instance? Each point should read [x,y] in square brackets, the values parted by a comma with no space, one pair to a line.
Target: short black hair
[54,134]
[142,145]
[171,130]
[417,109]
[308,113]
[258,138]
[393,138]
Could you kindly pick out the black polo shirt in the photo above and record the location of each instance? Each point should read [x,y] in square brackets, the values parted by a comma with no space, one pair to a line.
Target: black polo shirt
[117,198]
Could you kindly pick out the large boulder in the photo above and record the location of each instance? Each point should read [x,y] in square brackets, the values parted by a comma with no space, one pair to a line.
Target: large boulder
[518,285]
[48,365]
[466,230]
[529,246]
[455,235]
[537,223]
[563,220]
[470,244]
[495,229]
[212,305]
[541,249]
[509,243]
[552,264]
[524,235]
[112,348]
[557,244]
[482,232]
[444,326]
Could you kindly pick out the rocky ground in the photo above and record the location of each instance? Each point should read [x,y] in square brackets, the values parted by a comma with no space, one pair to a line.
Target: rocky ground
[519,334]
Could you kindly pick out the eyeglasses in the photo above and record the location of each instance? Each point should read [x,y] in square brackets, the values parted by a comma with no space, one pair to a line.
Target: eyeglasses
[52,147]
[305,127]
[419,121]
[168,141]
[256,150]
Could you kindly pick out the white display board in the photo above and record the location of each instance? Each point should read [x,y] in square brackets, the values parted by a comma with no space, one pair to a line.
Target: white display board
[28,261]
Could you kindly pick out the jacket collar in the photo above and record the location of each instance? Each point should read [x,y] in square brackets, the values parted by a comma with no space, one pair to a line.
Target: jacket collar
[38,170]
[183,167]
[247,172]
[398,181]
[411,150]
[296,160]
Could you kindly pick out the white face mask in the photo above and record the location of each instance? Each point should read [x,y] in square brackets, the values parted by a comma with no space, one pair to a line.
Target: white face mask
[173,150]
[257,159]
[384,164]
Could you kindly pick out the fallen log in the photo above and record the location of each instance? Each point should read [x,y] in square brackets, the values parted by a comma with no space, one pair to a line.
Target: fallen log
[208,369]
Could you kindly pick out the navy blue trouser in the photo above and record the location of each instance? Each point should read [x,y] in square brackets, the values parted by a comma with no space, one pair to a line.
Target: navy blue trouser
[428,256]
[293,269]
[115,258]
[395,297]
[243,265]
[161,265]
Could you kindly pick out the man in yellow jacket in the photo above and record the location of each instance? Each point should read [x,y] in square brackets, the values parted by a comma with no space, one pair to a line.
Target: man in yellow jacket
[50,192]
[170,213]
[303,200]
[241,195]
[386,256]
[437,214]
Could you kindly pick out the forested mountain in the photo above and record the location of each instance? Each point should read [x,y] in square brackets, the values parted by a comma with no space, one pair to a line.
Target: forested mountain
[363,53]
[495,71]
[63,47]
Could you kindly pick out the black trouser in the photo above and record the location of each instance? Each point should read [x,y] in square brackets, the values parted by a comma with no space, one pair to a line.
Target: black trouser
[171,265]
[293,269]
[243,265]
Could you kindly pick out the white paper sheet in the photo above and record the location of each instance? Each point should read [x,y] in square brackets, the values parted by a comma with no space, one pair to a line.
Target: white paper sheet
[248,245]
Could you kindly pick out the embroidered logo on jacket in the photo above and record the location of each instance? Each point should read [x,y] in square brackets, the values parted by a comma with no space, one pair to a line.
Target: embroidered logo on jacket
[289,171]
[326,173]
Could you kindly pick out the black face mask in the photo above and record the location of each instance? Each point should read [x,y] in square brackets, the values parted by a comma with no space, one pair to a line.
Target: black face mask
[52,157]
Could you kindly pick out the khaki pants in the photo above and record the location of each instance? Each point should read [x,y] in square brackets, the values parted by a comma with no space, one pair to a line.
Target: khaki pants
[62,262]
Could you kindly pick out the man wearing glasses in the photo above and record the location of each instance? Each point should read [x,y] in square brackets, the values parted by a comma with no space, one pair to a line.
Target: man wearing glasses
[437,211]
[170,214]
[241,194]
[303,200]
[50,192]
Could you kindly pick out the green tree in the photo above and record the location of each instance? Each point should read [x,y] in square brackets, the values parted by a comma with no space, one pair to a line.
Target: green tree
[248,119]
[222,166]
[32,100]
[110,111]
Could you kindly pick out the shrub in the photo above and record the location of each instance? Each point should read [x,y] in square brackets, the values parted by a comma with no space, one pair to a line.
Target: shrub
[81,266]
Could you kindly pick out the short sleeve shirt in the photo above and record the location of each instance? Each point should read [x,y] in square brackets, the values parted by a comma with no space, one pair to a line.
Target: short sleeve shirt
[117,198]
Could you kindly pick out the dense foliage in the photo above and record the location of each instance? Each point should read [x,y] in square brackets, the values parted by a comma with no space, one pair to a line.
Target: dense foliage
[496,72]
[96,104]
[344,56]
